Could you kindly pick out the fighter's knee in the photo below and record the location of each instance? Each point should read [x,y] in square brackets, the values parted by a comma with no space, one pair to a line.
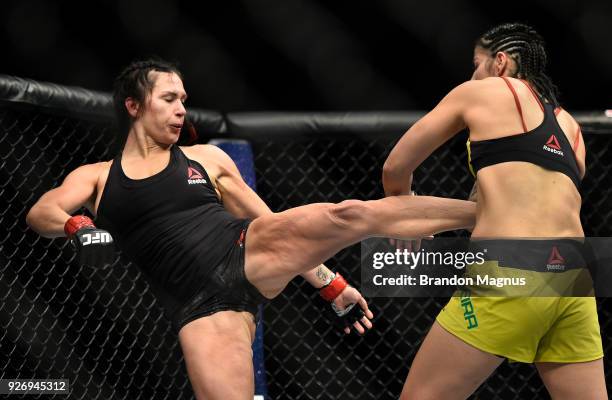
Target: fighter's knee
[351,213]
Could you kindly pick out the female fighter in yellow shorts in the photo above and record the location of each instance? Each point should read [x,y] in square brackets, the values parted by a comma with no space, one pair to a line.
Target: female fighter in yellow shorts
[529,159]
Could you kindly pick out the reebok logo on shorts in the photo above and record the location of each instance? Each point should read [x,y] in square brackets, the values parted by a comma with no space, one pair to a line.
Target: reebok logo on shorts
[556,262]
[194,177]
[552,145]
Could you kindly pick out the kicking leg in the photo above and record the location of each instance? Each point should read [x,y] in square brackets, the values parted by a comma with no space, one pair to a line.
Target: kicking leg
[283,245]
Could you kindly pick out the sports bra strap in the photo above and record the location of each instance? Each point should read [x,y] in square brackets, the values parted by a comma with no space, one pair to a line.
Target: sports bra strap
[577,140]
[533,93]
[516,100]
[578,131]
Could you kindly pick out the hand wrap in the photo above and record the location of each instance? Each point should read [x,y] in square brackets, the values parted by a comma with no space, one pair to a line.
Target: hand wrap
[330,292]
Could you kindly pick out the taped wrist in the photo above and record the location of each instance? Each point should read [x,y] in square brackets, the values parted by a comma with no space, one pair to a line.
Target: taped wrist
[334,288]
[74,224]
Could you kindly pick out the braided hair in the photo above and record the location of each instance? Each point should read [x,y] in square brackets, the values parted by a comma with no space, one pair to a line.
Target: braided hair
[134,81]
[526,47]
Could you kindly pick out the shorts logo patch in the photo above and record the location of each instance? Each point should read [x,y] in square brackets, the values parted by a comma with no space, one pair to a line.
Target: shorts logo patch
[194,176]
[552,145]
[469,313]
[555,262]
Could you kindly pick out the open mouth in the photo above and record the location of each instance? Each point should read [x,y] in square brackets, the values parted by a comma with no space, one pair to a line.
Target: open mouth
[176,126]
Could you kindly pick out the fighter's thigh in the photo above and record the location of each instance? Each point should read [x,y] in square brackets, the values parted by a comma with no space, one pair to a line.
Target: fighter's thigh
[584,380]
[218,355]
[447,368]
[282,245]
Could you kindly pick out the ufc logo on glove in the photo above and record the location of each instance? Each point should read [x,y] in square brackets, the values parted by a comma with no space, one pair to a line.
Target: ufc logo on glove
[98,237]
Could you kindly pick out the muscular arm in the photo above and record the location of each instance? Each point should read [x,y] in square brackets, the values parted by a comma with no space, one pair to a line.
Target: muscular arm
[48,216]
[240,200]
[427,134]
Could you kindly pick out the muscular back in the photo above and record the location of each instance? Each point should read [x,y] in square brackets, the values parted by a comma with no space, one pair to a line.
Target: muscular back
[521,198]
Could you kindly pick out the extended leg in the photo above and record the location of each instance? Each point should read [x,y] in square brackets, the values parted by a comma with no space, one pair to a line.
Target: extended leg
[281,246]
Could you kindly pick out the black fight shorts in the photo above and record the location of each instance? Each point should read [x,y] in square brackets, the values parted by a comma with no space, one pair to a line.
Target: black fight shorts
[228,288]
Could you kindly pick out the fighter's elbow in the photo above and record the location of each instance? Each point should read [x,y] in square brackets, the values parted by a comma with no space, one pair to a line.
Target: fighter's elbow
[390,171]
[32,216]
[396,178]
[387,167]
[35,220]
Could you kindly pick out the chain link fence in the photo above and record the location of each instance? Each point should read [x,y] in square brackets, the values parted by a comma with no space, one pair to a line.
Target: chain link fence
[105,330]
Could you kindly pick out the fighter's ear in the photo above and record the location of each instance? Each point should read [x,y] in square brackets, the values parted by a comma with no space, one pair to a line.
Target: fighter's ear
[501,64]
[132,106]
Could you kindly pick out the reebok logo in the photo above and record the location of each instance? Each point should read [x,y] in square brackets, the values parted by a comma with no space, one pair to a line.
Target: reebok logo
[553,146]
[194,177]
[555,262]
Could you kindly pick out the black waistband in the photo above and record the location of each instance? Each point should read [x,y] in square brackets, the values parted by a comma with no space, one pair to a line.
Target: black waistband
[543,255]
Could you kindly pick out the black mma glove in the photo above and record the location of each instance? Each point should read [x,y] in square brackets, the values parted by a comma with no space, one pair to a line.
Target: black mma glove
[330,292]
[348,316]
[94,246]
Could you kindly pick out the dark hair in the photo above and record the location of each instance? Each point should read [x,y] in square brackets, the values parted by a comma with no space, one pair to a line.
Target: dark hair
[134,81]
[527,49]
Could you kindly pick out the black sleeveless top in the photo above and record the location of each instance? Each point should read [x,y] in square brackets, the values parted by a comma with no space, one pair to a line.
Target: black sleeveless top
[546,146]
[172,224]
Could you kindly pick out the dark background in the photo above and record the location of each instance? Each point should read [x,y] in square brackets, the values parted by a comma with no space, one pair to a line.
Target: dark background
[303,54]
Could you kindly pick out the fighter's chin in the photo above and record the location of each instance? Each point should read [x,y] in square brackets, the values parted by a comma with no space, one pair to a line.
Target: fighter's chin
[167,140]
[172,136]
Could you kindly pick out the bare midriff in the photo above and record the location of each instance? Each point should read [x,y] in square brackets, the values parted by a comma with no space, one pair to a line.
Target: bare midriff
[520,199]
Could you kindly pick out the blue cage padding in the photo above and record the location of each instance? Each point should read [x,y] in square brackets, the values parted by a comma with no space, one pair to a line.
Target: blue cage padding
[240,151]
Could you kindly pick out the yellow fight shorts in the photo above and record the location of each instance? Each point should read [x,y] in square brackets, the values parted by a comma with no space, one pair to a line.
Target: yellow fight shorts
[526,328]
